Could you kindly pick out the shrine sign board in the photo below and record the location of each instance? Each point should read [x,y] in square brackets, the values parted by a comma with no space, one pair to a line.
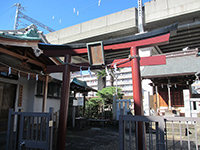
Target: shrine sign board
[96,54]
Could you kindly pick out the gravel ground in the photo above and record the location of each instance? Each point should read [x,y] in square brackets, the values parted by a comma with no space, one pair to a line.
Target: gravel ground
[93,138]
[107,138]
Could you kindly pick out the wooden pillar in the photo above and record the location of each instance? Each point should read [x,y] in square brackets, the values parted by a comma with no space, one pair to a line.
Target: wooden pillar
[136,77]
[84,99]
[169,97]
[73,116]
[45,91]
[64,105]
[137,92]
[157,98]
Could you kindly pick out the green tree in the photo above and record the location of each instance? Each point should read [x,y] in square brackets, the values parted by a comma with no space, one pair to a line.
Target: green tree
[105,99]
[105,96]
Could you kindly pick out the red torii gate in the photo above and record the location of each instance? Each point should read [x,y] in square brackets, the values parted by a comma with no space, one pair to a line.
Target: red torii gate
[134,42]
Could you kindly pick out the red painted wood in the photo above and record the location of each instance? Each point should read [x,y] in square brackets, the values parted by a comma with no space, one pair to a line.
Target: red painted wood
[144,61]
[153,60]
[141,43]
[137,92]
[64,102]
[55,68]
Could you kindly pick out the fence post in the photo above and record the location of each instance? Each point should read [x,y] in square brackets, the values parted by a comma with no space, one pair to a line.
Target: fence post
[9,141]
[121,130]
[51,111]
[17,129]
[162,128]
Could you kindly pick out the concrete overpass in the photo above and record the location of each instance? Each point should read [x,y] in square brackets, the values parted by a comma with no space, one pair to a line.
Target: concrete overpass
[157,14]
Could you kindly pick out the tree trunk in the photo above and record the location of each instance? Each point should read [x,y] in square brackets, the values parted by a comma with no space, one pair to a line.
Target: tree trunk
[101,83]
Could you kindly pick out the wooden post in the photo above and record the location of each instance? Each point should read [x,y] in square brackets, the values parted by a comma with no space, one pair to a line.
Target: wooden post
[121,130]
[45,90]
[157,98]
[137,92]
[84,99]
[169,97]
[73,116]
[64,105]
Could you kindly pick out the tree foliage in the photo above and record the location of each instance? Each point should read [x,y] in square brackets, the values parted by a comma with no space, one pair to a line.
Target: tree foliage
[105,96]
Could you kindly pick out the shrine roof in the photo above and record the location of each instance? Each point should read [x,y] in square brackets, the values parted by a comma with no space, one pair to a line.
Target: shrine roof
[29,33]
[180,63]
[80,86]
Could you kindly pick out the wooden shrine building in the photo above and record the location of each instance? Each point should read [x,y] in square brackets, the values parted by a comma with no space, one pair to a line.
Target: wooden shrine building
[22,69]
[171,79]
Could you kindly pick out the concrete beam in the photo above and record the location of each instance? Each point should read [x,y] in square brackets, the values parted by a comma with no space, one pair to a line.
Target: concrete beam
[164,9]
[107,25]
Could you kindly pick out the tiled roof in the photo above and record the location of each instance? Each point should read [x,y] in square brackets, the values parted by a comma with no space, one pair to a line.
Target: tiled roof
[184,63]
[29,33]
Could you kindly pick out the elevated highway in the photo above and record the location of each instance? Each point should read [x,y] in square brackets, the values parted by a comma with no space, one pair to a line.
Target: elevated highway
[157,14]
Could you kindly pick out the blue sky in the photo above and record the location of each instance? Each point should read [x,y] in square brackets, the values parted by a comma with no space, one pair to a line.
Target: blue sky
[59,14]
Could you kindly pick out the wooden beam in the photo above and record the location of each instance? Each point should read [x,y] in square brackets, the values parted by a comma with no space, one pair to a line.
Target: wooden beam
[140,43]
[5,51]
[144,61]
[55,68]
[153,41]
[22,43]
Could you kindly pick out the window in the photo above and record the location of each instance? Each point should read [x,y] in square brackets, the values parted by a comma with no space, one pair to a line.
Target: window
[54,89]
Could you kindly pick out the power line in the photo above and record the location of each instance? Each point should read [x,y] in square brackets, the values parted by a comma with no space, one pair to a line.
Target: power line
[9,19]
[19,14]
[5,11]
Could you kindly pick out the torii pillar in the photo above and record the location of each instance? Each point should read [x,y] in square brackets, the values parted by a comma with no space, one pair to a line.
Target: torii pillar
[137,92]
[64,103]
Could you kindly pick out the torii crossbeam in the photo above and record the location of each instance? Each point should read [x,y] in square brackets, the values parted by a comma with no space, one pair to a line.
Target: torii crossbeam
[133,42]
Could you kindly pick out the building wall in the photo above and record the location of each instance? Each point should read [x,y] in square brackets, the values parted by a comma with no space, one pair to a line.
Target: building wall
[30,102]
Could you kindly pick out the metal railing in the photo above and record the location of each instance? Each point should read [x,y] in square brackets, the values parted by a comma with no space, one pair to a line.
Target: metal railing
[29,130]
[159,132]
[182,133]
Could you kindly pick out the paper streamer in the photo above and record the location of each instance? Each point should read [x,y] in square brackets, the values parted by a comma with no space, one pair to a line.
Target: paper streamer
[28,76]
[18,74]
[115,67]
[81,72]
[9,70]
[90,71]
[107,72]
[36,77]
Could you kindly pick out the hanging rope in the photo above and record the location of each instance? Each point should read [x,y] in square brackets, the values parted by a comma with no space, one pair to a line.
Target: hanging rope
[20,71]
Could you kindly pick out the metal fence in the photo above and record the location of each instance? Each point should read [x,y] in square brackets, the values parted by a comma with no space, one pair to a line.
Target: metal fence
[29,130]
[159,133]
[182,133]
